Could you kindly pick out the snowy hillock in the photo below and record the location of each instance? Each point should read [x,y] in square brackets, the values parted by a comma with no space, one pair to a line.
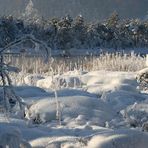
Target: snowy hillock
[120,139]
[117,90]
[30,91]
[11,137]
[74,110]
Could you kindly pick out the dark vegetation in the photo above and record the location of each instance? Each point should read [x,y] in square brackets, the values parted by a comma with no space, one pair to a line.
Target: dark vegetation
[68,32]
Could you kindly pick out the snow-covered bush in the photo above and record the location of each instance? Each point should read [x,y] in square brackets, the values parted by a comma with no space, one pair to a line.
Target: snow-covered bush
[68,81]
[45,83]
[63,81]
[142,78]
[146,60]
[32,79]
[136,115]
[8,98]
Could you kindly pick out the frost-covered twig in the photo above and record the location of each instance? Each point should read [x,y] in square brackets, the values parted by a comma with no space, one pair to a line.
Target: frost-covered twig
[31,38]
[9,96]
[55,87]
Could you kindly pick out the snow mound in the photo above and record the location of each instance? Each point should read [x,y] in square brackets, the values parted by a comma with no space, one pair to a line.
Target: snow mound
[120,139]
[99,82]
[72,82]
[45,83]
[75,110]
[74,73]
[30,91]
[73,92]
[32,79]
[11,137]
[120,99]
[61,81]
[91,105]
[56,142]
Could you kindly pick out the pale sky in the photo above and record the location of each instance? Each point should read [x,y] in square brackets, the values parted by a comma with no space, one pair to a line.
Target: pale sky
[90,9]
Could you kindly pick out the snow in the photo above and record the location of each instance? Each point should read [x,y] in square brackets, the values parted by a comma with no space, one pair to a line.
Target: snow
[147,60]
[45,83]
[142,78]
[141,72]
[11,137]
[30,91]
[72,108]
[65,80]
[120,139]
[98,109]
[100,82]
[32,79]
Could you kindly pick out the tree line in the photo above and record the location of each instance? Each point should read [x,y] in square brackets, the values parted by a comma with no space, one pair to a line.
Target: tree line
[67,32]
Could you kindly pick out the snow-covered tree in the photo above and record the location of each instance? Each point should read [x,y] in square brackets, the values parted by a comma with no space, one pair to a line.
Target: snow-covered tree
[142,76]
[67,33]
[31,13]
[112,21]
[9,99]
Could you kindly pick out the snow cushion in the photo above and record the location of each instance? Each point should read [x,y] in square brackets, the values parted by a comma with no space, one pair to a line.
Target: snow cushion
[71,108]
[120,139]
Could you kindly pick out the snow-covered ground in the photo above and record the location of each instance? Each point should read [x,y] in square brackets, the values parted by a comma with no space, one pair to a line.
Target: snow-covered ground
[98,109]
